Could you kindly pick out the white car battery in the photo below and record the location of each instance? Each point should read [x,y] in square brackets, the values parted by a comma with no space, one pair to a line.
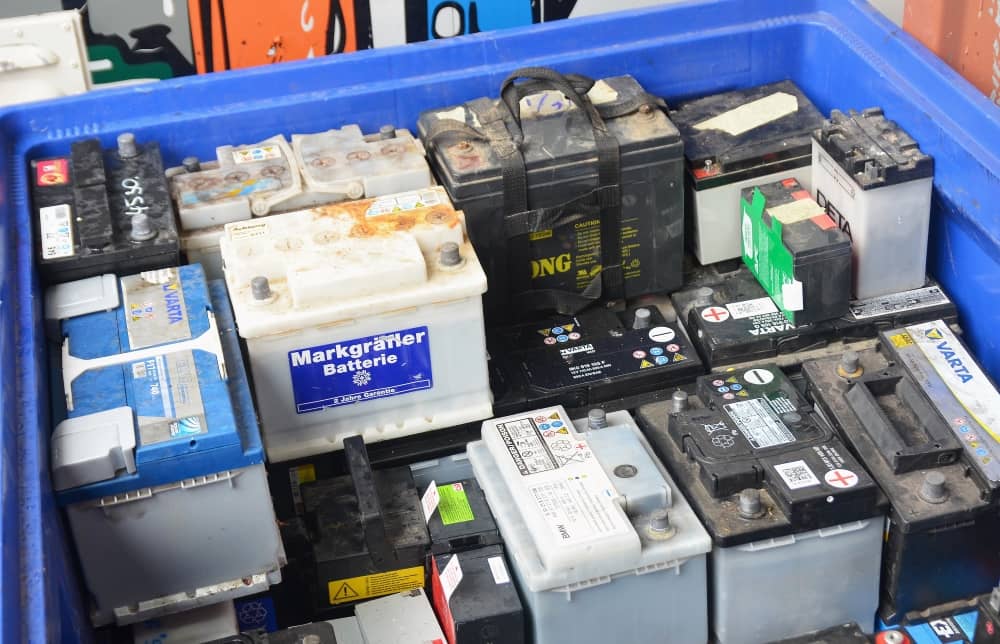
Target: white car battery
[735,140]
[602,544]
[875,183]
[272,177]
[360,318]
[795,520]
[159,462]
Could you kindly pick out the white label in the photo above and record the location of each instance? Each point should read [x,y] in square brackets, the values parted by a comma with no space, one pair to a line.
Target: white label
[57,231]
[791,296]
[752,115]
[259,153]
[914,300]
[400,203]
[750,308]
[247,231]
[451,576]
[553,102]
[758,423]
[796,211]
[661,334]
[758,376]
[499,570]
[430,500]
[797,475]
[748,249]
[835,173]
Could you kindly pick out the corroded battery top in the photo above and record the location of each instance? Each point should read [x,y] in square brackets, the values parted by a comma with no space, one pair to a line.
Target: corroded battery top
[362,258]
[873,150]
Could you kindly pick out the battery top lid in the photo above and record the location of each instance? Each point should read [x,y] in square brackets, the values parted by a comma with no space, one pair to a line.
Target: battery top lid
[555,134]
[745,128]
[807,231]
[577,505]
[871,149]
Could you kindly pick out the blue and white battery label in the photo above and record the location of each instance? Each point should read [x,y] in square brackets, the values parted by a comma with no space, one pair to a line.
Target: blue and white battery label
[351,371]
[167,398]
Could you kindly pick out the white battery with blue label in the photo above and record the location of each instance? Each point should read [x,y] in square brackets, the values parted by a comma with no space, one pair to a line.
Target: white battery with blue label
[359,318]
[159,462]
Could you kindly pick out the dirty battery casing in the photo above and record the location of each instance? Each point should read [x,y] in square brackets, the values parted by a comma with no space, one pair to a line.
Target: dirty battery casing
[86,203]
[734,140]
[597,358]
[787,506]
[922,417]
[731,320]
[364,537]
[875,183]
[796,251]
[845,634]
[988,624]
[561,167]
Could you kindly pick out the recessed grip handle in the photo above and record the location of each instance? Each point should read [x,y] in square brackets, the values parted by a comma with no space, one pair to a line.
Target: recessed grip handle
[369,506]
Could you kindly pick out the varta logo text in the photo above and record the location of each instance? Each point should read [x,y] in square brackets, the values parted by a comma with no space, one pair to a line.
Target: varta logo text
[956,364]
[172,298]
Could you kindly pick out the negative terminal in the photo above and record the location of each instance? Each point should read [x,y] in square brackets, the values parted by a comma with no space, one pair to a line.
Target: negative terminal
[660,526]
[450,255]
[934,489]
[260,290]
[597,419]
[750,505]
[850,365]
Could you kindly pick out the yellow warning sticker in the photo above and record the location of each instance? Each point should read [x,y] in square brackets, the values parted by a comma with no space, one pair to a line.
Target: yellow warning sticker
[306,473]
[541,234]
[645,364]
[901,340]
[679,357]
[377,585]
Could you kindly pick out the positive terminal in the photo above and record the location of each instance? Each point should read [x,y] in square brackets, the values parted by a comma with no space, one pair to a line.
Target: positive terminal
[704,296]
[260,289]
[750,506]
[387,132]
[356,190]
[892,637]
[126,145]
[142,228]
[850,365]
[934,489]
[191,164]
[626,471]
[450,254]
[646,109]
[642,319]
[597,419]
[679,401]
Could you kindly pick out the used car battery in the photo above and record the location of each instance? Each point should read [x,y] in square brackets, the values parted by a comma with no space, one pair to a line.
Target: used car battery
[988,623]
[788,508]
[596,358]
[572,190]
[364,535]
[845,634]
[734,140]
[597,533]
[102,211]
[950,623]
[458,517]
[160,425]
[875,183]
[359,319]
[474,598]
[732,321]
[922,416]
[271,177]
[796,252]
[196,625]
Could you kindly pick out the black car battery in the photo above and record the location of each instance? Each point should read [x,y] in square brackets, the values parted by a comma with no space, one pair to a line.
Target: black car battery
[796,252]
[988,623]
[732,321]
[598,358]
[788,507]
[103,211]
[572,190]
[361,536]
[844,634]
[474,598]
[950,623]
[923,417]
[458,517]
[737,139]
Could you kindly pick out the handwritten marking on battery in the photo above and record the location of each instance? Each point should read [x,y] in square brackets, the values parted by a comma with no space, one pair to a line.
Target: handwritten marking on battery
[711,428]
[661,334]
[715,314]
[841,478]
[758,376]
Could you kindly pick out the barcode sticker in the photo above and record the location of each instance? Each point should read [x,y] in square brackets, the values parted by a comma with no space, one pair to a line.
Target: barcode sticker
[796,474]
[57,231]
[499,570]
[758,423]
[451,576]
[750,308]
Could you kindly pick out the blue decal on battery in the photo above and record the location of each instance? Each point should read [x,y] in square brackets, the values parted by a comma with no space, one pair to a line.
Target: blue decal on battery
[377,366]
[256,612]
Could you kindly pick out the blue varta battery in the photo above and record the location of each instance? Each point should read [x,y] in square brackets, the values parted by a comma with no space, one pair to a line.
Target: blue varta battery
[159,462]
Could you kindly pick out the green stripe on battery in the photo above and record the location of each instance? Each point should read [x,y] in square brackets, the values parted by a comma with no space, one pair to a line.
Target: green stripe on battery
[454,504]
[769,259]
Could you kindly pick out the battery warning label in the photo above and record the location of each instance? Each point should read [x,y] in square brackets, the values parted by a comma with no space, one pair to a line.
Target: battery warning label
[758,423]
[351,371]
[377,585]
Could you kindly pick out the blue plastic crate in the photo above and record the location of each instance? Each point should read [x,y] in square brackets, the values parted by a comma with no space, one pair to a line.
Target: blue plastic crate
[842,53]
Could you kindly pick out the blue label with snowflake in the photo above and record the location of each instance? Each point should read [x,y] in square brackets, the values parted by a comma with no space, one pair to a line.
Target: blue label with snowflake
[353,371]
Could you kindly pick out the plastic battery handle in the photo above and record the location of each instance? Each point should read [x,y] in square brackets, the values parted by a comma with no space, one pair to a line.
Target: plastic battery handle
[940,448]
[73,367]
[369,506]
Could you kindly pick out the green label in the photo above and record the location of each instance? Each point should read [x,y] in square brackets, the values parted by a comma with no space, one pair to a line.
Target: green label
[768,258]
[454,505]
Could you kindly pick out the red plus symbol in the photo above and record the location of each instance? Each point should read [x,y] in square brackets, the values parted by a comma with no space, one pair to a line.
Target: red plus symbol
[841,478]
[581,446]
[715,314]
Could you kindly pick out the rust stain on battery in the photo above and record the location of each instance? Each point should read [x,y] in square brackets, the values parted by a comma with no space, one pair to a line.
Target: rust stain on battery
[366,225]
